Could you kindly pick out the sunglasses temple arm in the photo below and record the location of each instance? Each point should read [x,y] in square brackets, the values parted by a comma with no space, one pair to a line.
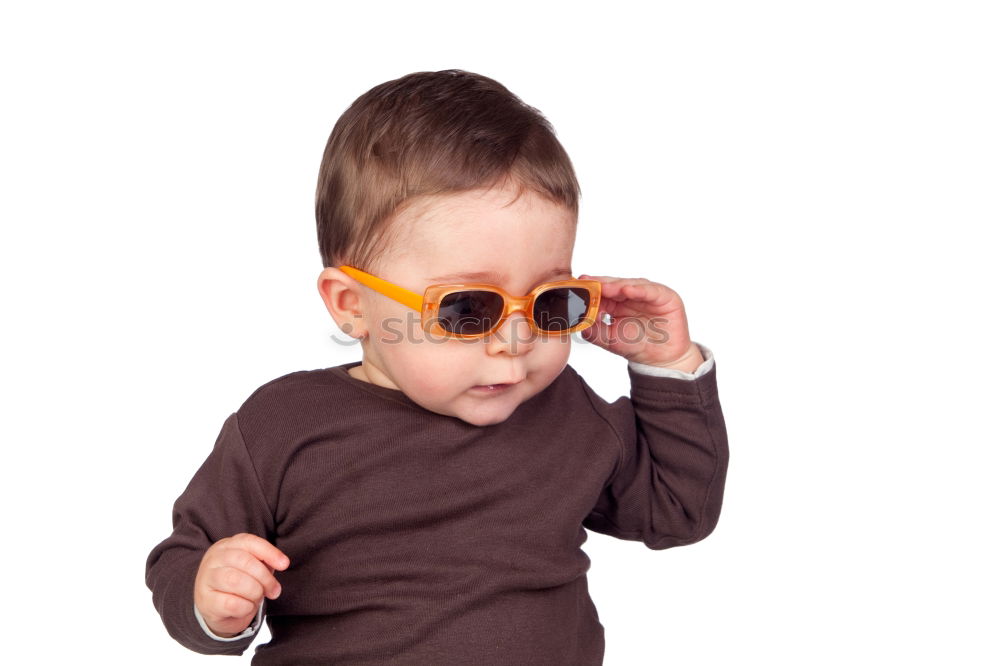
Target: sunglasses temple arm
[408,298]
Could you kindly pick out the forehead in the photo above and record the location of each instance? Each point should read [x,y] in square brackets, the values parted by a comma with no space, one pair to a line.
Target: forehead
[484,236]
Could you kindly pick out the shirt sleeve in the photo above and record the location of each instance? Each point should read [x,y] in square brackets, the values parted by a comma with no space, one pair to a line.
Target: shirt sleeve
[223,498]
[667,488]
[680,374]
[249,631]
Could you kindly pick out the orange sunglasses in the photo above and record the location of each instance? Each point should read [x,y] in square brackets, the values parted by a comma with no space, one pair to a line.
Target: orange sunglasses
[476,310]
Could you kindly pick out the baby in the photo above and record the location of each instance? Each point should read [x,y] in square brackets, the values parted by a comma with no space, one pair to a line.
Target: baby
[427,504]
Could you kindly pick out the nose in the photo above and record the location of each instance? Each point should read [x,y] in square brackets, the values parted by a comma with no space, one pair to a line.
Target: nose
[514,336]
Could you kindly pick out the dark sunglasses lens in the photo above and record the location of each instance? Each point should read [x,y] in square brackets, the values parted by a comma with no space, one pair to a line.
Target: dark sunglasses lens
[470,312]
[561,308]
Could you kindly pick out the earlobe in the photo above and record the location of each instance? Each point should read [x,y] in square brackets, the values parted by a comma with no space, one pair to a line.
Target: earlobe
[342,296]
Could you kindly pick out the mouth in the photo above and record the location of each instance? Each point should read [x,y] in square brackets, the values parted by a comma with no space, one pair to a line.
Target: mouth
[494,388]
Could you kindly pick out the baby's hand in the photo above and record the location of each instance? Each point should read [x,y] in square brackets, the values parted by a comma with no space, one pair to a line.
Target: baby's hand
[232,580]
[649,323]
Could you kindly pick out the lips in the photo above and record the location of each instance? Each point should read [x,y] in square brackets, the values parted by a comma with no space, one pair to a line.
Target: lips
[494,387]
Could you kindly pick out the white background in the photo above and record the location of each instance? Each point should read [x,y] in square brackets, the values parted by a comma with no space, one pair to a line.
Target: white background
[819,182]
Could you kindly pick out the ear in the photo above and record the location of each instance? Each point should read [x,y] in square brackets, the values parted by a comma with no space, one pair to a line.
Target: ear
[342,296]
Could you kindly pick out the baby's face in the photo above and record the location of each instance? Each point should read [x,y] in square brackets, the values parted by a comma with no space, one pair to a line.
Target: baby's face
[514,246]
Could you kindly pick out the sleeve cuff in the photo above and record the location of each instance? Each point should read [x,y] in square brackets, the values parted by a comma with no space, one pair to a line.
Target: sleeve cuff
[249,631]
[657,371]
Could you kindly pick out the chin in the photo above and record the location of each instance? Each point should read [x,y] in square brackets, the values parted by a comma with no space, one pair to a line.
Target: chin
[486,419]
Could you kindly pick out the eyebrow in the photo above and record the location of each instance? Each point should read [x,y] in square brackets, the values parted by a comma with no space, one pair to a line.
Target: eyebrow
[494,277]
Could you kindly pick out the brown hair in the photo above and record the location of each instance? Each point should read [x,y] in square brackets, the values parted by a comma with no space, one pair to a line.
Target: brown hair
[429,133]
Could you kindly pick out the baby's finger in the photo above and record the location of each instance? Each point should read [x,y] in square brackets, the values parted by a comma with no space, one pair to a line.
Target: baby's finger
[231,580]
[262,549]
[653,294]
[610,279]
[248,563]
[621,309]
[224,605]
[639,291]
[614,288]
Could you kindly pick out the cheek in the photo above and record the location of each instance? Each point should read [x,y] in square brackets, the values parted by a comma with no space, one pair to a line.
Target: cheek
[433,366]
[396,326]
[557,360]
[555,347]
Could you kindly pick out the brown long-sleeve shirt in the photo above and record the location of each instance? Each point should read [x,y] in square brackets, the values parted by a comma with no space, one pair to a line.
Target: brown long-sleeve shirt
[416,538]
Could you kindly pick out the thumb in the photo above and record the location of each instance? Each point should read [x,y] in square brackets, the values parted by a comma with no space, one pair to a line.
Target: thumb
[598,333]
